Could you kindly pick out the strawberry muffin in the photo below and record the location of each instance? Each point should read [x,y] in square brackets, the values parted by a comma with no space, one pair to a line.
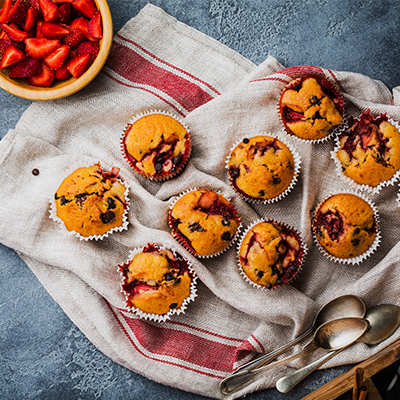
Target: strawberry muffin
[261,168]
[157,146]
[157,281]
[270,254]
[311,107]
[92,202]
[204,222]
[345,226]
[369,150]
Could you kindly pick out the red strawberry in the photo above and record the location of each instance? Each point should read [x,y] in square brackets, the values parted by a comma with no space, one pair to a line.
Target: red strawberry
[12,56]
[49,10]
[44,79]
[4,35]
[65,11]
[56,59]
[40,48]
[78,65]
[81,23]
[63,1]
[26,69]
[3,45]
[75,38]
[14,33]
[86,7]
[54,30]
[5,10]
[88,48]
[18,12]
[32,18]
[94,26]
[62,73]
[35,4]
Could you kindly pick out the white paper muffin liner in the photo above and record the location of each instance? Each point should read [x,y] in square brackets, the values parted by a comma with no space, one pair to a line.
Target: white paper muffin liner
[180,241]
[335,131]
[354,185]
[53,208]
[296,172]
[366,254]
[158,317]
[239,244]
[138,171]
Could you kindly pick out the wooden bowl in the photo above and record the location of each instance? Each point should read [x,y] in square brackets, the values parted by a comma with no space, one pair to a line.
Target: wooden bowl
[60,89]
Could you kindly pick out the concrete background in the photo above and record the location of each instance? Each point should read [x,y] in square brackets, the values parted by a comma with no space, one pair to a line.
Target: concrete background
[42,354]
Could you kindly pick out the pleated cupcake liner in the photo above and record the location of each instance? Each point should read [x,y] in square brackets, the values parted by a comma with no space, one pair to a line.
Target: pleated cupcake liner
[296,173]
[350,260]
[134,311]
[140,172]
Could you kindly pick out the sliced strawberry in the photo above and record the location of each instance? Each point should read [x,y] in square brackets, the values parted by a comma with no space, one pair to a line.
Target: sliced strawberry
[75,38]
[88,48]
[87,7]
[63,1]
[49,10]
[14,33]
[56,59]
[54,30]
[4,35]
[44,79]
[32,18]
[5,11]
[18,12]
[3,45]
[11,56]
[26,69]
[65,11]
[94,26]
[39,33]
[82,23]
[40,47]
[78,65]
[62,73]
[35,4]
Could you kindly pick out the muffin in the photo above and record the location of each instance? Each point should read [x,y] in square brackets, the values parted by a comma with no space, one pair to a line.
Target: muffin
[157,146]
[261,168]
[311,107]
[369,150]
[92,202]
[345,226]
[270,254]
[204,222]
[157,282]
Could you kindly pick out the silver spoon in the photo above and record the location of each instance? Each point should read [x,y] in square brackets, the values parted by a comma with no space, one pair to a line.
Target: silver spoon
[332,335]
[340,307]
[384,319]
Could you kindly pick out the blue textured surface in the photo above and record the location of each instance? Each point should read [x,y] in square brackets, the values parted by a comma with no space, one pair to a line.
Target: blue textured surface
[42,354]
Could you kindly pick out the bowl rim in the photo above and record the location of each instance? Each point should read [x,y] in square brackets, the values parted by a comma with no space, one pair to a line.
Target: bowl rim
[53,93]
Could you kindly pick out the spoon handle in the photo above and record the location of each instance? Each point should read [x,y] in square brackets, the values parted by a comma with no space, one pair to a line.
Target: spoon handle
[267,358]
[238,381]
[290,381]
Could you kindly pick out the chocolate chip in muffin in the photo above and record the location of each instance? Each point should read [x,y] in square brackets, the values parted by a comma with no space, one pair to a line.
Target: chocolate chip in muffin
[173,305]
[111,203]
[107,217]
[226,236]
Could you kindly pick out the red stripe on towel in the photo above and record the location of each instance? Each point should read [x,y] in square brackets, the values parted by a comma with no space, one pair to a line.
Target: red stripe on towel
[136,69]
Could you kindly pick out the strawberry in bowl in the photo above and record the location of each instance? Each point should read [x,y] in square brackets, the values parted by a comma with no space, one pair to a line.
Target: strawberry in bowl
[50,49]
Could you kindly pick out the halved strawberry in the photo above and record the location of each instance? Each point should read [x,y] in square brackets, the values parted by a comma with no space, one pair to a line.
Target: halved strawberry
[49,10]
[14,33]
[62,73]
[11,56]
[4,36]
[65,11]
[75,38]
[78,65]
[32,18]
[87,7]
[54,30]
[5,10]
[18,12]
[26,69]
[39,33]
[82,23]
[40,47]
[44,79]
[56,59]
[94,26]
[88,48]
